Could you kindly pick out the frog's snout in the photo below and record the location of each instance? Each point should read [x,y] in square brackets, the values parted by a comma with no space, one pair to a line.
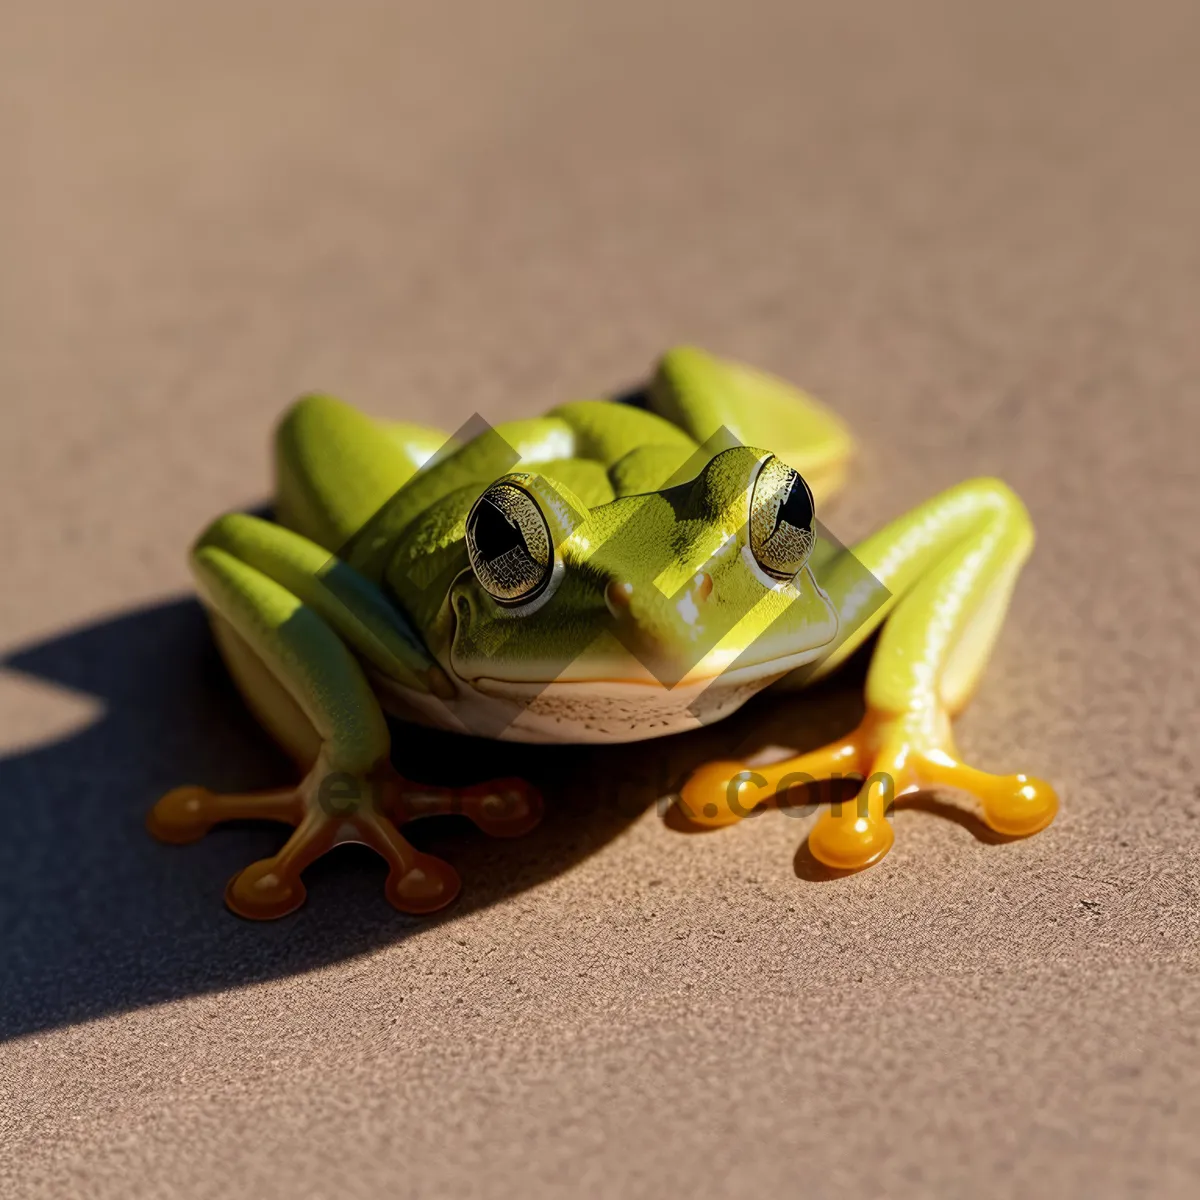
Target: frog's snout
[620,596]
[669,634]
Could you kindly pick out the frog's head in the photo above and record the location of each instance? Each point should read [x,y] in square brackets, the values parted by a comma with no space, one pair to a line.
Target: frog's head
[639,616]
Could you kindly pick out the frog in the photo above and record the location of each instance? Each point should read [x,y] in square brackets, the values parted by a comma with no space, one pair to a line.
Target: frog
[617,569]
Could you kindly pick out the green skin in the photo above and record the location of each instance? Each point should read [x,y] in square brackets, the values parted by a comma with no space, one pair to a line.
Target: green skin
[662,611]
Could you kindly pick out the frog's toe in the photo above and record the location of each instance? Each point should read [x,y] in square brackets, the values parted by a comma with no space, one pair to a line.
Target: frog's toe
[416,882]
[720,792]
[1020,805]
[854,839]
[272,887]
[724,791]
[422,886]
[264,892]
[505,808]
[1012,805]
[181,816]
[186,814]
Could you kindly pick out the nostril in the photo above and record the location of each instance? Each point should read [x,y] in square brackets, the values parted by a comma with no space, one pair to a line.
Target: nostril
[617,596]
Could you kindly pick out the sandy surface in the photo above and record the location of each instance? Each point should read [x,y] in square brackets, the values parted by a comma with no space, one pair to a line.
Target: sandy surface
[973,229]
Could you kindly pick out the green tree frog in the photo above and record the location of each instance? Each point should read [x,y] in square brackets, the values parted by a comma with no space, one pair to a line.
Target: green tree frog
[608,572]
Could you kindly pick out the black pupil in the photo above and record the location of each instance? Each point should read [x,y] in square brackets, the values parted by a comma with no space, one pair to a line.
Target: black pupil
[797,509]
[494,534]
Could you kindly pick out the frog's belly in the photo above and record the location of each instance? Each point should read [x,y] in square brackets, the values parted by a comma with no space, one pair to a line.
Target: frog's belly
[599,711]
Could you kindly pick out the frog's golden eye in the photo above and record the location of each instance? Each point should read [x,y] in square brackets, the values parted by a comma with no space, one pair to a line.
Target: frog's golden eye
[781,520]
[508,541]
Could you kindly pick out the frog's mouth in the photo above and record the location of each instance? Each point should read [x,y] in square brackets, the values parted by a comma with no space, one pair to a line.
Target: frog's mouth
[619,687]
[617,707]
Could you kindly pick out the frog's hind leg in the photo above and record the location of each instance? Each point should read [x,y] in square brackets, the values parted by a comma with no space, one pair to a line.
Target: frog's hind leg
[290,656]
[335,467]
[949,568]
[702,394]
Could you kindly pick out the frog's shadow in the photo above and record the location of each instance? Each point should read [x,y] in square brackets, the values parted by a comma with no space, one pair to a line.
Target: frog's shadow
[98,917]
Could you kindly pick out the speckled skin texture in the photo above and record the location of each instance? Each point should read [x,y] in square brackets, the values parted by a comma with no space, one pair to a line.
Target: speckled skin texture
[972,229]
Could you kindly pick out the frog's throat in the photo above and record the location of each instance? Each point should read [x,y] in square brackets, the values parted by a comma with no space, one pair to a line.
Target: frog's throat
[627,709]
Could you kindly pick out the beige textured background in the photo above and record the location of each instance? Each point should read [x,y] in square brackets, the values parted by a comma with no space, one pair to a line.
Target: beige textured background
[973,228]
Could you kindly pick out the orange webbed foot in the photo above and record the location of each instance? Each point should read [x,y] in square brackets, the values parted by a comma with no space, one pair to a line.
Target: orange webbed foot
[890,756]
[329,809]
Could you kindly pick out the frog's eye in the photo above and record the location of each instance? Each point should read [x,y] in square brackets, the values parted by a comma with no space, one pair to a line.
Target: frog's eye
[508,541]
[781,520]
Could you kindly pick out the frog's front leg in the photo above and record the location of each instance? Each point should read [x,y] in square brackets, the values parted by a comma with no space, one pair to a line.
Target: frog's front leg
[286,616]
[949,568]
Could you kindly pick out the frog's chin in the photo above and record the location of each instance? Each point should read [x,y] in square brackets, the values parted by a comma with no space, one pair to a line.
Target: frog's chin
[627,709]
